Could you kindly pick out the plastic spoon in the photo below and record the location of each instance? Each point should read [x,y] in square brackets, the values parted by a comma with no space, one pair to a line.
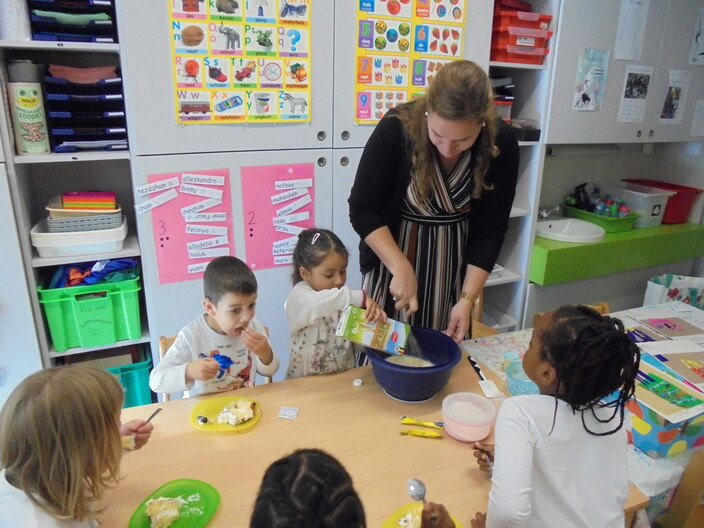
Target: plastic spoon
[416,489]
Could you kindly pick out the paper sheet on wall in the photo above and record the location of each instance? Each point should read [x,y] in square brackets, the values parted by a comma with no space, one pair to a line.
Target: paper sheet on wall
[698,119]
[401,44]
[277,204]
[193,228]
[675,98]
[592,67]
[632,19]
[696,53]
[635,92]
[245,61]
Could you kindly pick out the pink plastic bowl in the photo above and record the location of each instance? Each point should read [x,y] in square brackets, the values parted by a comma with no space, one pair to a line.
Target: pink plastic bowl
[467,416]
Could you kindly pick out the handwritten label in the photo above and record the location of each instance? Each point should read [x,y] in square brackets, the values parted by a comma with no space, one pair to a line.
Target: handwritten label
[163,185]
[158,200]
[203,179]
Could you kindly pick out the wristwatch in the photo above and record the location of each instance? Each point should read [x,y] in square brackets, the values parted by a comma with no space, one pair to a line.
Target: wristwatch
[470,297]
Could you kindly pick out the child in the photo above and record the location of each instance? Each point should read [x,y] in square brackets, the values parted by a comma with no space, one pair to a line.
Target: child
[215,352]
[560,456]
[314,306]
[60,447]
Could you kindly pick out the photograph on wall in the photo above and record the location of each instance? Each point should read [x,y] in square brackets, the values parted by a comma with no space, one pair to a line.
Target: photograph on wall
[675,97]
[241,61]
[635,93]
[400,46]
[696,54]
[592,67]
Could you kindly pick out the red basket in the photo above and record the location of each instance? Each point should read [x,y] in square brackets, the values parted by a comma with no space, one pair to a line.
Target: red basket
[522,19]
[520,36]
[522,54]
[512,5]
[678,205]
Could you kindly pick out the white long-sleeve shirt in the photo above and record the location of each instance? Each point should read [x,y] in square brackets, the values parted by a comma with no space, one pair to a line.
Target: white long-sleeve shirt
[17,510]
[197,340]
[312,320]
[567,477]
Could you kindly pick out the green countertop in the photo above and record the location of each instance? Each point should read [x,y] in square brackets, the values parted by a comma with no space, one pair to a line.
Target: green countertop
[554,262]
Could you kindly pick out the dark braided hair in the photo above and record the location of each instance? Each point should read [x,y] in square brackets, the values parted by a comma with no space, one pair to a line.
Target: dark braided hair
[593,357]
[307,489]
[312,248]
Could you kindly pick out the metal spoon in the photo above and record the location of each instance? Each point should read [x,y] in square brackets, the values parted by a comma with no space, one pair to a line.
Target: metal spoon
[416,489]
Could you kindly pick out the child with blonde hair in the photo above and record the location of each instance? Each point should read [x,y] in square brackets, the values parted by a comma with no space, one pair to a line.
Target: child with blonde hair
[316,302]
[60,446]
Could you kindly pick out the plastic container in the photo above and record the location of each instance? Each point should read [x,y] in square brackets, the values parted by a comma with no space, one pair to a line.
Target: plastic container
[678,205]
[416,384]
[521,54]
[517,382]
[521,19]
[611,224]
[92,315]
[135,380]
[498,320]
[77,243]
[514,5]
[56,210]
[525,129]
[520,36]
[467,416]
[503,108]
[650,203]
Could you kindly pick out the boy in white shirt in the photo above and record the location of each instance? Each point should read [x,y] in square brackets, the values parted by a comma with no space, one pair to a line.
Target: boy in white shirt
[217,350]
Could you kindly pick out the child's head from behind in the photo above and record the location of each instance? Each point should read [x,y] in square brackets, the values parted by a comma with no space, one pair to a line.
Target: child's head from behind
[230,290]
[60,438]
[582,357]
[307,489]
[320,259]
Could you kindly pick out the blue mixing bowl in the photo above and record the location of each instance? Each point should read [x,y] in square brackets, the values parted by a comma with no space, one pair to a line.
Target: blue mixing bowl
[415,384]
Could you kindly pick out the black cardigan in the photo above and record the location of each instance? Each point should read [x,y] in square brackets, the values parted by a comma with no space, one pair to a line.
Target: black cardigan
[384,174]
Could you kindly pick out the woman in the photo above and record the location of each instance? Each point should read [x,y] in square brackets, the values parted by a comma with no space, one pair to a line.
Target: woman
[431,200]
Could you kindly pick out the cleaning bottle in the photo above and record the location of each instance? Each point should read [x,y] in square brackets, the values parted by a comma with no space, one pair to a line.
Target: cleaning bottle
[595,195]
[583,201]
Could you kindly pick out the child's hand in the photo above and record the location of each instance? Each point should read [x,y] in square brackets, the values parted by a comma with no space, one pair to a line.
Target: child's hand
[479,520]
[257,343]
[202,369]
[484,453]
[435,516]
[139,429]
[374,312]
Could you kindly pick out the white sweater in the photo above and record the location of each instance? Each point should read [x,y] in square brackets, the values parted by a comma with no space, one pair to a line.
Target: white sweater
[566,477]
[312,320]
[197,340]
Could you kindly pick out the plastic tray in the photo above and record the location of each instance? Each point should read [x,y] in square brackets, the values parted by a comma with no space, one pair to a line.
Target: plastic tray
[522,19]
[609,223]
[521,54]
[135,380]
[78,242]
[520,36]
[56,210]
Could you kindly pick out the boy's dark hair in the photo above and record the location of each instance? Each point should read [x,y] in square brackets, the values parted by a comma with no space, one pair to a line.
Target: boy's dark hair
[594,358]
[228,275]
[307,489]
[314,246]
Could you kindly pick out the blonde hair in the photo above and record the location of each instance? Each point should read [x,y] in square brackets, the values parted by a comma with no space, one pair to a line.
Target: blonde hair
[460,91]
[60,439]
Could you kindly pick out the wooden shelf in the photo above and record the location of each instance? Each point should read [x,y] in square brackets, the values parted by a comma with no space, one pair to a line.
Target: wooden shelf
[554,262]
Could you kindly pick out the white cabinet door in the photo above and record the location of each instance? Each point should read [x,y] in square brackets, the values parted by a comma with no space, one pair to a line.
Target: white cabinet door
[683,22]
[594,25]
[147,65]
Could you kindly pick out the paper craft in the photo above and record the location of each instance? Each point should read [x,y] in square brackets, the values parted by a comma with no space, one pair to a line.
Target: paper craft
[682,357]
[672,327]
[641,334]
[664,408]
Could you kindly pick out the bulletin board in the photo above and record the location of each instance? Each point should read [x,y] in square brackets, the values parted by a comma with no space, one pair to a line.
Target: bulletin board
[401,45]
[245,61]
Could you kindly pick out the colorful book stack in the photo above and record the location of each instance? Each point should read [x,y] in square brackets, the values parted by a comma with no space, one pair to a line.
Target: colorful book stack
[89,200]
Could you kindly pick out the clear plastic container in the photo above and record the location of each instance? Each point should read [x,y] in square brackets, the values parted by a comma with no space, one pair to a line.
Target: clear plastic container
[648,202]
[77,243]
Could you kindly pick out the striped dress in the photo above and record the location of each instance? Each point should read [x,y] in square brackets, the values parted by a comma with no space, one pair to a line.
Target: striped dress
[433,236]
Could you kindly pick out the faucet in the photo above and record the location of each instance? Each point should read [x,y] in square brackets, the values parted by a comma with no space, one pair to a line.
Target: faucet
[544,213]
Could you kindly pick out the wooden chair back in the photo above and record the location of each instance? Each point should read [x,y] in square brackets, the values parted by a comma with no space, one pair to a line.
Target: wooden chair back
[164,345]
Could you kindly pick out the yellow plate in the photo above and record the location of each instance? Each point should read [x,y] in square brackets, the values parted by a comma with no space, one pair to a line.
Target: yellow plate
[211,407]
[415,508]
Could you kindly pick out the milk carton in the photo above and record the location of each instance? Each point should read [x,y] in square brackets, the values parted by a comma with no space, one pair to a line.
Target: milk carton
[388,336]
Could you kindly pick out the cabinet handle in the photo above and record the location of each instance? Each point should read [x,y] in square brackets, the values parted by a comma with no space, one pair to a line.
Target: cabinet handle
[639,133]
[344,160]
[322,135]
[345,135]
[322,162]
[651,133]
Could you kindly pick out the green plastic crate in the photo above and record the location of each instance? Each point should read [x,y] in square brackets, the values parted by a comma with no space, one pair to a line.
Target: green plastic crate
[92,315]
[611,224]
[135,380]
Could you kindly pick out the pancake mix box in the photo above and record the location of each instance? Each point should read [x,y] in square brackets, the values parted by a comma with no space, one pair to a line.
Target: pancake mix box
[387,336]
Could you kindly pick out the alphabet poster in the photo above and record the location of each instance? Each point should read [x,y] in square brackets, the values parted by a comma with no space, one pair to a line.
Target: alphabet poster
[241,61]
[191,220]
[401,44]
[277,204]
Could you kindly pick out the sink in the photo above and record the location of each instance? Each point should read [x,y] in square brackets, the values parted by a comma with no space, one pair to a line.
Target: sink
[569,230]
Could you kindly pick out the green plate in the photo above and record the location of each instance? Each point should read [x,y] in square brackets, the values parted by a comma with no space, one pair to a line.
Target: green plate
[201,498]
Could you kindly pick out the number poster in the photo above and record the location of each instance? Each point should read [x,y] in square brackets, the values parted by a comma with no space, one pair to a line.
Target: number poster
[241,61]
[400,46]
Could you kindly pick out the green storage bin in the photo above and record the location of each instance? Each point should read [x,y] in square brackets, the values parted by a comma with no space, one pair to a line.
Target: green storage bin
[611,224]
[92,315]
[135,380]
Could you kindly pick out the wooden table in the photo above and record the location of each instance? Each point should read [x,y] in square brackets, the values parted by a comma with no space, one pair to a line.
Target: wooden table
[358,425]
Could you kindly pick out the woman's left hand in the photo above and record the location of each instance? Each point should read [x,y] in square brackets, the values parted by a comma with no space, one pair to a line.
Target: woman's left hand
[140,429]
[459,321]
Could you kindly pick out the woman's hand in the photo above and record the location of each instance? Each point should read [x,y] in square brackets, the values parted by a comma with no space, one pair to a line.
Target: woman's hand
[435,516]
[404,288]
[140,429]
[458,324]
[202,369]
[373,312]
[479,520]
[484,453]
